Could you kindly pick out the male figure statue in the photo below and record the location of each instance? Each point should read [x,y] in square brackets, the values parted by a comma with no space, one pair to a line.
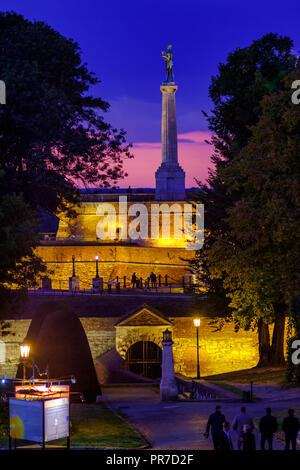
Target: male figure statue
[168,56]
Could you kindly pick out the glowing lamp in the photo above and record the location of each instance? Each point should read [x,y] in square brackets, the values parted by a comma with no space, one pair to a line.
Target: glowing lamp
[197,322]
[96,257]
[24,351]
[167,335]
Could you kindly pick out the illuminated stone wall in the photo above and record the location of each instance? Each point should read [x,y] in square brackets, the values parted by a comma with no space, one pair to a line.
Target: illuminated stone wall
[84,227]
[127,336]
[9,362]
[221,351]
[113,261]
[165,255]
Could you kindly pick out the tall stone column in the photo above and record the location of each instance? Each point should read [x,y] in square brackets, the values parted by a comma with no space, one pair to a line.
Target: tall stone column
[170,177]
[168,124]
[168,385]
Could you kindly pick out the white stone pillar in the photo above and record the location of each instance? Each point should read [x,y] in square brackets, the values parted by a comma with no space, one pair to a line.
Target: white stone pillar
[168,385]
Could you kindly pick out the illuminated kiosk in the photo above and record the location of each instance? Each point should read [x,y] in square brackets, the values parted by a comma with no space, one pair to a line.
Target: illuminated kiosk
[39,413]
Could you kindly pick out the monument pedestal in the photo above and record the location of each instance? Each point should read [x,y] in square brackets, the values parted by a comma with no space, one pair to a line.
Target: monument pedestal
[168,385]
[170,182]
[46,283]
[74,284]
[98,284]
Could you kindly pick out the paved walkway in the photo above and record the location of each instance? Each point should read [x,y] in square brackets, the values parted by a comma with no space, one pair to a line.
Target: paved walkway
[177,425]
[270,391]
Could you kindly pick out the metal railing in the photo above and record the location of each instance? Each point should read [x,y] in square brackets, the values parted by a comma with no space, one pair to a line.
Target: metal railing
[195,391]
[117,285]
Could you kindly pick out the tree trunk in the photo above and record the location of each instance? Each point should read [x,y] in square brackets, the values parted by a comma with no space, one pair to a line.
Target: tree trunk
[264,346]
[277,347]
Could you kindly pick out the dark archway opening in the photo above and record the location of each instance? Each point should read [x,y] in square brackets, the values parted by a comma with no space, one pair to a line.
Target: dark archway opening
[144,358]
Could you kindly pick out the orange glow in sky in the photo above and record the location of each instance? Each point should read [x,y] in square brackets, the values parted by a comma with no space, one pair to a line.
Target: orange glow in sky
[193,154]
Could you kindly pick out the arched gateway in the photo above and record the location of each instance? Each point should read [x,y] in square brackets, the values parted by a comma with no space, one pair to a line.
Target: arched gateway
[138,340]
[144,358]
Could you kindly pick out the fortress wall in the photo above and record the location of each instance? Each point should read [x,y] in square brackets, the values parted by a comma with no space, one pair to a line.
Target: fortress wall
[221,351]
[10,347]
[85,225]
[113,261]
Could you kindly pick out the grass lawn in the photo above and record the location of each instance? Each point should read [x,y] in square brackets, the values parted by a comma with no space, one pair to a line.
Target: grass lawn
[255,375]
[92,425]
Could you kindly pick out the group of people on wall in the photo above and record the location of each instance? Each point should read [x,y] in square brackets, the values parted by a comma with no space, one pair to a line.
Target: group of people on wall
[138,282]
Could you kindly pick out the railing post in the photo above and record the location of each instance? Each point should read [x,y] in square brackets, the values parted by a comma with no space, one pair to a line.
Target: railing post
[124,282]
[141,283]
[183,281]
[166,280]
[159,280]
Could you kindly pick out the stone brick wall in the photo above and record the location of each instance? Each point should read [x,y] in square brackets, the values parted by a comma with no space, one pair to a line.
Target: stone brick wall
[11,342]
[84,227]
[164,255]
[126,336]
[221,351]
[113,261]
[100,333]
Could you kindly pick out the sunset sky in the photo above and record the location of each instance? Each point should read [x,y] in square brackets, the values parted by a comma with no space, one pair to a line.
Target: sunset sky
[122,42]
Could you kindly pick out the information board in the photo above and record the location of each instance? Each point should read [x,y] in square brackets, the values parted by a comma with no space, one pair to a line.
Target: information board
[56,418]
[26,419]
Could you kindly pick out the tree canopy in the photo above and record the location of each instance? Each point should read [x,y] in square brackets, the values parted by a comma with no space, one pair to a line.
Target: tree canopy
[247,191]
[53,138]
[52,133]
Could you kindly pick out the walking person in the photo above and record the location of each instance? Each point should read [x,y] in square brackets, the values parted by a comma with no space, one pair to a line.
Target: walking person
[153,279]
[249,444]
[238,424]
[215,424]
[290,426]
[267,426]
[225,442]
[133,280]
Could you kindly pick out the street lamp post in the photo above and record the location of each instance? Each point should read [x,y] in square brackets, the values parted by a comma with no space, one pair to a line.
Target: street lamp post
[197,325]
[97,271]
[73,262]
[24,353]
